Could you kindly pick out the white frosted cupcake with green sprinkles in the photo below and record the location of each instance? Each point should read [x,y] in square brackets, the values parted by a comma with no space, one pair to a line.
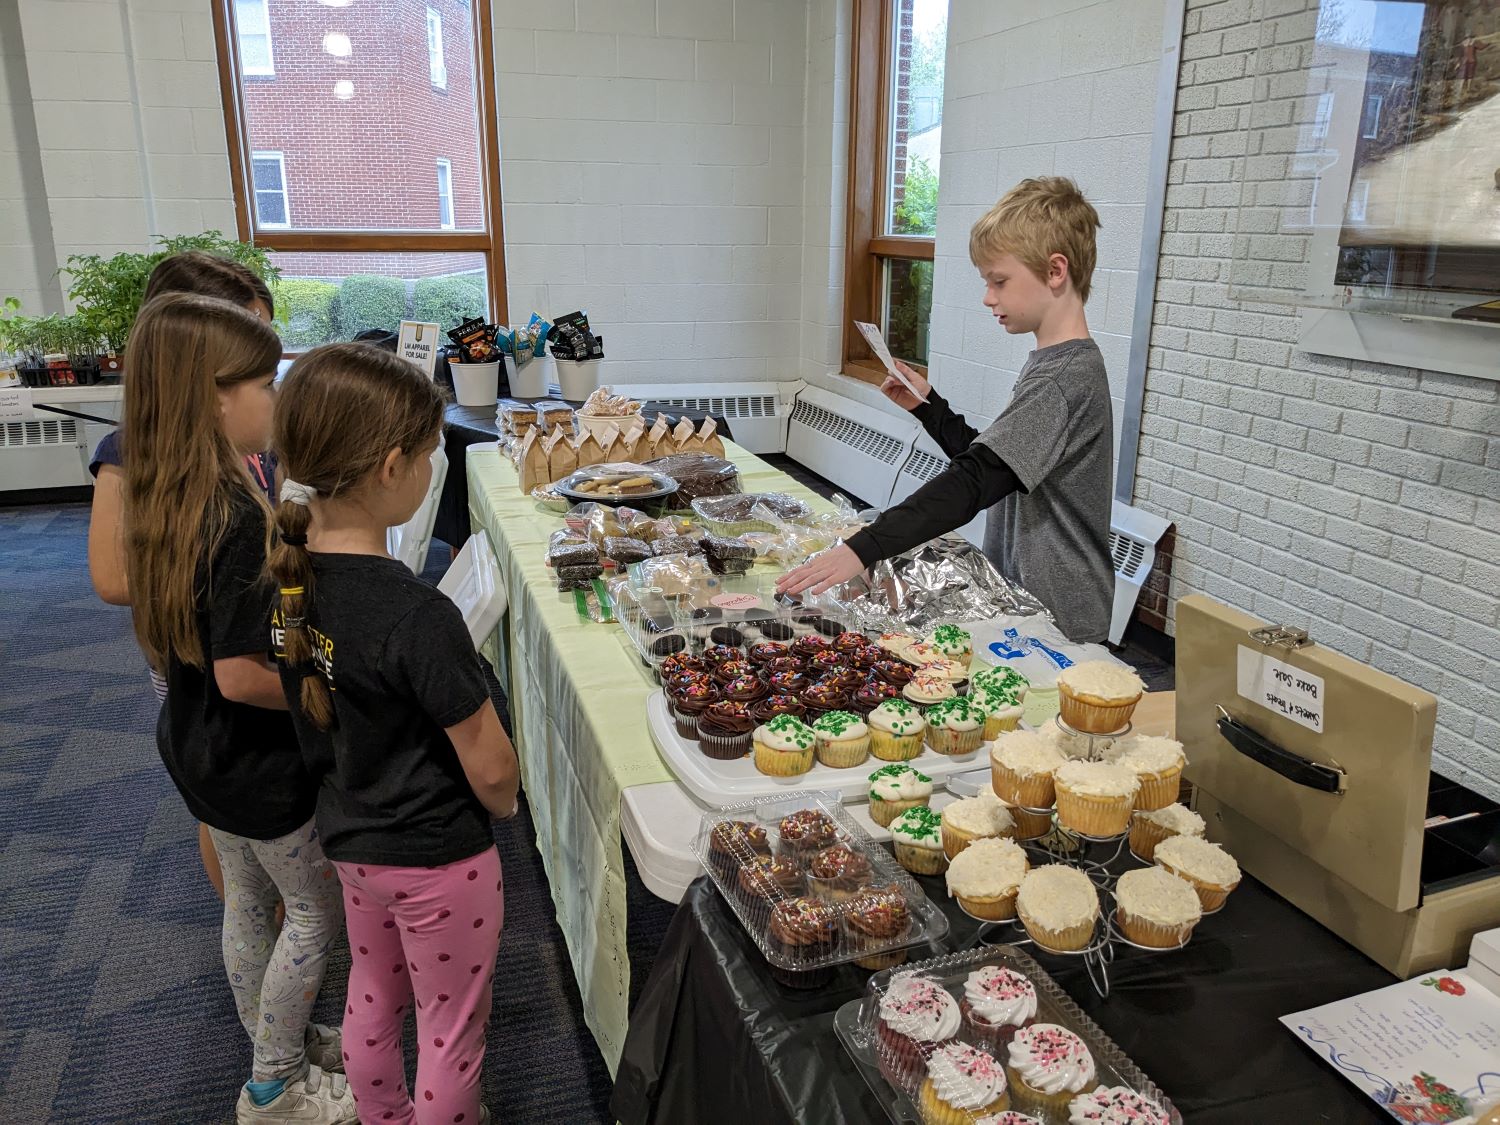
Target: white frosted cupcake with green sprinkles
[954,727]
[896,728]
[896,788]
[1004,677]
[1002,710]
[917,837]
[952,642]
[843,739]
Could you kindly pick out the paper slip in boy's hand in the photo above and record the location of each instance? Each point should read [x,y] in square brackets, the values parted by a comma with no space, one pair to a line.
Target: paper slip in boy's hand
[877,345]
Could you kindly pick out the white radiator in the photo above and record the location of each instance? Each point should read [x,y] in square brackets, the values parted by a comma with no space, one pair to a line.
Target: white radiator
[857,447]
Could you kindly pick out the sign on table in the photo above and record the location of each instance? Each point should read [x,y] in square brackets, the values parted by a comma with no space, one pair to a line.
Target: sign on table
[15,405]
[1279,687]
[419,343]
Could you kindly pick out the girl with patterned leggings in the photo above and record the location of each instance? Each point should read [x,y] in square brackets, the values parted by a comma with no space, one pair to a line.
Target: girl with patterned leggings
[199,398]
[395,719]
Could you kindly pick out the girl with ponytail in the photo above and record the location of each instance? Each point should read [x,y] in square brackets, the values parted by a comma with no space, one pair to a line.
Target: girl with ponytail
[198,400]
[395,716]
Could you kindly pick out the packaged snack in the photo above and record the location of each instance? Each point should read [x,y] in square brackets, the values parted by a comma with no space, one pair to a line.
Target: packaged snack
[682,434]
[675,545]
[590,452]
[625,550]
[514,417]
[568,548]
[659,439]
[562,456]
[532,463]
[709,438]
[476,340]
[603,403]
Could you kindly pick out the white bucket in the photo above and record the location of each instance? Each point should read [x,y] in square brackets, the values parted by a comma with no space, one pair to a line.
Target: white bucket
[476,384]
[577,379]
[531,380]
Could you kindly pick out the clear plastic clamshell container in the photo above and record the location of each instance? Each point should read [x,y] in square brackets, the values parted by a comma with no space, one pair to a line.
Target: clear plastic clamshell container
[675,603]
[812,889]
[895,1067]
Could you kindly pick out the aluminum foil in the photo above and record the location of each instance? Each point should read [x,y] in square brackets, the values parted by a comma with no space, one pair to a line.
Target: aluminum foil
[947,579]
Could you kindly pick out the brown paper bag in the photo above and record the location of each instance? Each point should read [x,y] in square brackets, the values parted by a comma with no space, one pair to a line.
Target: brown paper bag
[620,450]
[633,444]
[592,448]
[709,436]
[659,440]
[562,459]
[682,435]
[533,461]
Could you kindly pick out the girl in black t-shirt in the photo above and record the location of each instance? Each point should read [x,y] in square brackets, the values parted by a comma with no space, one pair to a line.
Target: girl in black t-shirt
[396,721]
[199,397]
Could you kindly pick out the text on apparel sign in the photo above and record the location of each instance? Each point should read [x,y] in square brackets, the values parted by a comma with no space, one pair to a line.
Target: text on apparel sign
[1279,687]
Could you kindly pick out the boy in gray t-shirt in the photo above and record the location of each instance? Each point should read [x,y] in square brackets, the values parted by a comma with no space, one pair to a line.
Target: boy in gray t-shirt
[1043,469]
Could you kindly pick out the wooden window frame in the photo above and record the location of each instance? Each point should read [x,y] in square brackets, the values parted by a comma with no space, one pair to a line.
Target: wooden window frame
[866,246]
[488,242]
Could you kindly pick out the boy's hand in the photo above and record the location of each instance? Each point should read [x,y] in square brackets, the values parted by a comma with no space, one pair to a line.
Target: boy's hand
[893,390]
[832,568]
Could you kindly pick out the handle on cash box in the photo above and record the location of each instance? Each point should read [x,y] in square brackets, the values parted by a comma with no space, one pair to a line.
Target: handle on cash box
[1293,767]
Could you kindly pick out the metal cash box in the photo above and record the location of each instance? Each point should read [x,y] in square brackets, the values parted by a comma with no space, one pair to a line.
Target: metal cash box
[1314,771]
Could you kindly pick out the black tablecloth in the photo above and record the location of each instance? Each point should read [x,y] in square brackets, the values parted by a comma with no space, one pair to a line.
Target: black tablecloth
[714,1039]
[464,426]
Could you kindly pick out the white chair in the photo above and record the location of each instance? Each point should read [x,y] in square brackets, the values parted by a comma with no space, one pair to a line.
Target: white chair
[473,583]
[409,542]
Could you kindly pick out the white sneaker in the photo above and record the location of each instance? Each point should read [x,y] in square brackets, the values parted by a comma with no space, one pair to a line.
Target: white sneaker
[325,1048]
[315,1098]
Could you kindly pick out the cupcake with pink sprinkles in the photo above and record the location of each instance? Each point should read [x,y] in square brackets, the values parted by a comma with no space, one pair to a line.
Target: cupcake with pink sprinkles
[1115,1105]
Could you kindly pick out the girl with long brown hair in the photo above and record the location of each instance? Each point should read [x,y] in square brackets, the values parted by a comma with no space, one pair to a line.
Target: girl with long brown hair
[209,275]
[198,399]
[394,711]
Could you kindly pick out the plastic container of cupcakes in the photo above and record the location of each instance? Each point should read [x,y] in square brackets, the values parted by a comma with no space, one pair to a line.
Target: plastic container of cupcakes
[812,889]
[993,1032]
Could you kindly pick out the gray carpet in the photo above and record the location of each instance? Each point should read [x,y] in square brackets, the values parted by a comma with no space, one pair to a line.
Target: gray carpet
[113,1006]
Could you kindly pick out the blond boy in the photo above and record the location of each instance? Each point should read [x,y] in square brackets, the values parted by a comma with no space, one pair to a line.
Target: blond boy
[1043,469]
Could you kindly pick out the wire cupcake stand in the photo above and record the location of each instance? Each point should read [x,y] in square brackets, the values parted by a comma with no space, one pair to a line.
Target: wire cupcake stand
[1102,858]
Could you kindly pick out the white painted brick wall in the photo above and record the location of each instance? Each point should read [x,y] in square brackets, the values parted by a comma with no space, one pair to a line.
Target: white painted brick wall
[1358,500]
[652,159]
[1033,88]
[130,143]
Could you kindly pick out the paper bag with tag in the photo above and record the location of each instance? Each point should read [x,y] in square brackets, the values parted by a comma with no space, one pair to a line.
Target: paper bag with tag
[532,461]
[562,458]
[709,436]
[592,447]
[659,440]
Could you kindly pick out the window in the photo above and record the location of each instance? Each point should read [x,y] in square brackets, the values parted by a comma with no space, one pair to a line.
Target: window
[268,173]
[1323,118]
[1371,128]
[445,194]
[895,139]
[435,64]
[358,219]
[1359,200]
[254,24]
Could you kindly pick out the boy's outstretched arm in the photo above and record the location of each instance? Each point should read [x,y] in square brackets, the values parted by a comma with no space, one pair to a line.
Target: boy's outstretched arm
[972,482]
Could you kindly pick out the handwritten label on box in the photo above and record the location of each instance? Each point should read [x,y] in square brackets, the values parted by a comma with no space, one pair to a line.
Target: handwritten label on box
[15,405]
[1278,687]
[419,343]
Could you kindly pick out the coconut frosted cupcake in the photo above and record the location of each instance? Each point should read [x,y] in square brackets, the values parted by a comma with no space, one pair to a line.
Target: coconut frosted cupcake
[1115,1105]
[1021,767]
[1095,798]
[961,1081]
[927,690]
[974,818]
[1004,677]
[954,643]
[784,747]
[1002,710]
[954,727]
[843,740]
[1049,1066]
[896,729]
[1209,868]
[1156,908]
[985,877]
[997,1002]
[896,788]
[915,1014]
[1097,696]
[1070,744]
[1158,763]
[918,841]
[1059,907]
[1148,829]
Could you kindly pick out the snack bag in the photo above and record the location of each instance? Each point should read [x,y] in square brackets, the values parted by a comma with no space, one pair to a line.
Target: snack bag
[710,439]
[591,450]
[682,435]
[659,440]
[532,461]
[562,457]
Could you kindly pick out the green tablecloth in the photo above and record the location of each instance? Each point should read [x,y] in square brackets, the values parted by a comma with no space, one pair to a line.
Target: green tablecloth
[577,697]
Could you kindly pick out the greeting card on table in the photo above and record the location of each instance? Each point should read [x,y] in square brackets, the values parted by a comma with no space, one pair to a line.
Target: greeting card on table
[1427,1051]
